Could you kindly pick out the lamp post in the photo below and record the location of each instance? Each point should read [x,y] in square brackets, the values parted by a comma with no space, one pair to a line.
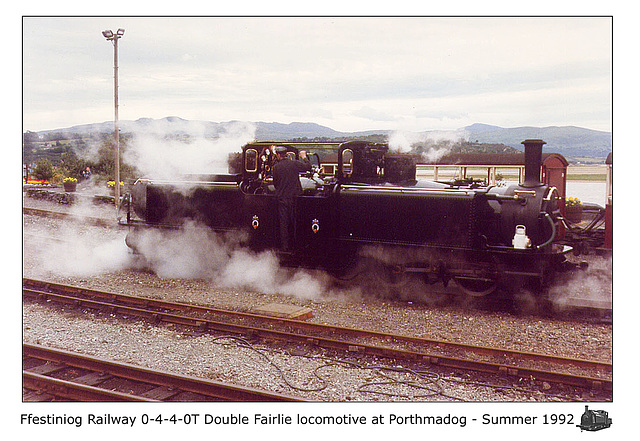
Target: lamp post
[114,37]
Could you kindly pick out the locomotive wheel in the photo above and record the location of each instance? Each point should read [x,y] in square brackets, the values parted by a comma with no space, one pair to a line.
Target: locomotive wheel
[476,287]
[484,279]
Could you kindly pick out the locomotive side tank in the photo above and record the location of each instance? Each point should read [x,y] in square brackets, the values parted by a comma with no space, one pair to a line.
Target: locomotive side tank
[373,208]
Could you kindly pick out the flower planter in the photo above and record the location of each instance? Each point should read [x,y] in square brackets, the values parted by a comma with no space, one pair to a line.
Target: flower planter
[573,213]
[69,186]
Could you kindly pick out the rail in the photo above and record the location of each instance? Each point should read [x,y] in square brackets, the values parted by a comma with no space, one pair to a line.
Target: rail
[576,372]
[83,378]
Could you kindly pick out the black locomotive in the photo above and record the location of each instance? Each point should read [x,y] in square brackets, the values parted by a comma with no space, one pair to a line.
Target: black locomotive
[593,420]
[373,209]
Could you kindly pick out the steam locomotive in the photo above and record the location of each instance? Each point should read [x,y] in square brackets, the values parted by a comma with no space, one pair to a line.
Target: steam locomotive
[593,420]
[374,210]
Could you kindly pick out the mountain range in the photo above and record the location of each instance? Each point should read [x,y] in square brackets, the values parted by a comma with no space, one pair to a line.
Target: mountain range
[570,141]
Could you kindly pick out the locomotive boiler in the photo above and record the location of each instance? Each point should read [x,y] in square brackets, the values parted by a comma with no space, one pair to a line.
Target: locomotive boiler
[374,210]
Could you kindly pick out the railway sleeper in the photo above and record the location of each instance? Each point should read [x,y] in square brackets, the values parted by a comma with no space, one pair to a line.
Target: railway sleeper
[431,360]
[508,371]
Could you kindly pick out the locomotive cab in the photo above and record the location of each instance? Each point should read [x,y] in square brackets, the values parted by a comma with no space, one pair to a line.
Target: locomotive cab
[258,160]
[260,208]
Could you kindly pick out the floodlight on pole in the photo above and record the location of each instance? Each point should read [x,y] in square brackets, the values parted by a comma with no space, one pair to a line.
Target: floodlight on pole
[110,36]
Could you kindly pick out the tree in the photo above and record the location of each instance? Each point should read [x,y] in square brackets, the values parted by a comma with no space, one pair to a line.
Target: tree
[104,164]
[71,165]
[44,170]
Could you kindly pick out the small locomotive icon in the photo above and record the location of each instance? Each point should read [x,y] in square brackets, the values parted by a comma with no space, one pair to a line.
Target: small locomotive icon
[593,420]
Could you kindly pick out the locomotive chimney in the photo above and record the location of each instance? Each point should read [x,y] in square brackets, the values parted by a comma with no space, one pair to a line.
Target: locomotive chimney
[532,162]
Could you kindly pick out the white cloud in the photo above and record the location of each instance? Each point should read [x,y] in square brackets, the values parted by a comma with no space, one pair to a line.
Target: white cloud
[348,73]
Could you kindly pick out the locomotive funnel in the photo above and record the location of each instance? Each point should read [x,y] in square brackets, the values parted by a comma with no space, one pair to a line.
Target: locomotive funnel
[532,162]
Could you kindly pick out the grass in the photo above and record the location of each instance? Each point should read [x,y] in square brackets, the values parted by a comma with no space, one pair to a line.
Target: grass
[592,173]
[587,177]
[588,173]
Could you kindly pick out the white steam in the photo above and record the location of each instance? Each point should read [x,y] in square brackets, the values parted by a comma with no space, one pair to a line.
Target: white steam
[434,144]
[593,285]
[197,252]
[74,249]
[189,253]
[167,149]
[84,259]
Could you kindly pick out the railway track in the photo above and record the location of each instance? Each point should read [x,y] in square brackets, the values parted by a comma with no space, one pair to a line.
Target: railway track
[55,375]
[91,220]
[574,372]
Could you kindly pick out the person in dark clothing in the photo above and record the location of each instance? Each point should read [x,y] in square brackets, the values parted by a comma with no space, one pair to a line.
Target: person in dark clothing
[286,179]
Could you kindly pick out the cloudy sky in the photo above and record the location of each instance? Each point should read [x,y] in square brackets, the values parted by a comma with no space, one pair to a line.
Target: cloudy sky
[350,74]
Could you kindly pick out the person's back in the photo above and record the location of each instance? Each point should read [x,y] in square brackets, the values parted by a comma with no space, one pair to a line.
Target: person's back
[286,178]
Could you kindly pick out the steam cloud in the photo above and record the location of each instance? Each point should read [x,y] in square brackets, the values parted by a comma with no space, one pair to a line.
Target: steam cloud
[593,284]
[193,252]
[436,144]
[197,252]
[167,149]
[72,249]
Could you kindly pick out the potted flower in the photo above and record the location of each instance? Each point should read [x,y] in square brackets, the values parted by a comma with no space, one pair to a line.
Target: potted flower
[111,185]
[69,184]
[573,210]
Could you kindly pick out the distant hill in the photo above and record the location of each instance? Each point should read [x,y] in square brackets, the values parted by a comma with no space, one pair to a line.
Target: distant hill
[175,125]
[568,140]
[572,142]
[278,131]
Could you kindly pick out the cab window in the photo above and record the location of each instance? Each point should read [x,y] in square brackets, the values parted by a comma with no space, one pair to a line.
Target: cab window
[347,162]
[251,160]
